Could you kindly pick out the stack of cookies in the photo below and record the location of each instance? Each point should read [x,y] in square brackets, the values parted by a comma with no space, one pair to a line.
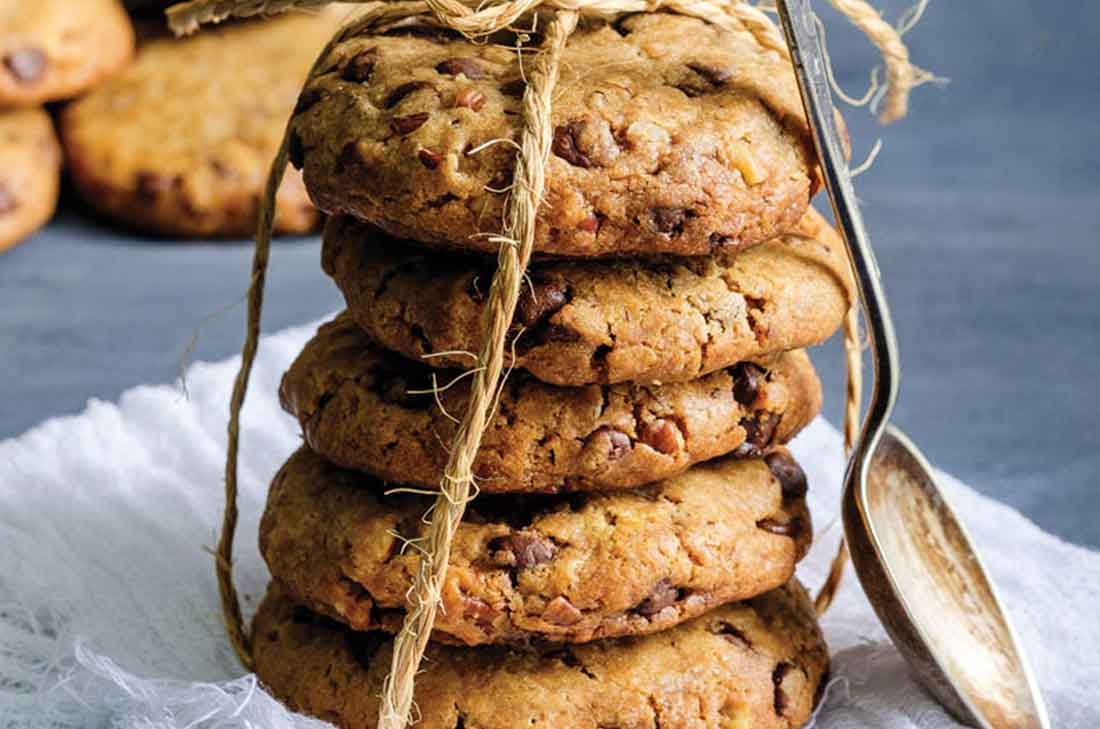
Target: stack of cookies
[629,560]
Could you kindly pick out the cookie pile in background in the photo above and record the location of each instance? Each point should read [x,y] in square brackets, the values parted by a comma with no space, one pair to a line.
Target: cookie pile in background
[629,559]
[50,50]
[162,136]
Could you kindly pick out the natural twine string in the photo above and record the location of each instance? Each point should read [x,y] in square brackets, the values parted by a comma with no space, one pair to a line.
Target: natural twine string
[516,243]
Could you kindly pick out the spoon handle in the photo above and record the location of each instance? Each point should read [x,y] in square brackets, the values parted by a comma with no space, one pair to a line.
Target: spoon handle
[801,29]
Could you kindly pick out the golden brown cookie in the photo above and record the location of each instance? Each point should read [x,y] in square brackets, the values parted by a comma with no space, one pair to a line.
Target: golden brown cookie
[565,568]
[665,320]
[367,409]
[669,136]
[759,664]
[180,143]
[55,49]
[30,169]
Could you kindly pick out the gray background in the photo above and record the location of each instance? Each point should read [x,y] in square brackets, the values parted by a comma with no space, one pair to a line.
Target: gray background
[984,206]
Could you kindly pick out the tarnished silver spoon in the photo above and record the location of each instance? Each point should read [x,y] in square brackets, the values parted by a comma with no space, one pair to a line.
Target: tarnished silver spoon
[913,557]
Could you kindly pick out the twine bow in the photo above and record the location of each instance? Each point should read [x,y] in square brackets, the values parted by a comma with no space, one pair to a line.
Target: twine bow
[516,242]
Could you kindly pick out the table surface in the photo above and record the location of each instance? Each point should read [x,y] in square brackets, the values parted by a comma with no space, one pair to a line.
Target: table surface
[984,207]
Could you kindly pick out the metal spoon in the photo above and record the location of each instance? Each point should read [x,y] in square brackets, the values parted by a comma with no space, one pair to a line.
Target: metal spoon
[913,557]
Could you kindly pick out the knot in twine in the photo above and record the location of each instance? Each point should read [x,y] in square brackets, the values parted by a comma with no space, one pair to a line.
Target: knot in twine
[516,243]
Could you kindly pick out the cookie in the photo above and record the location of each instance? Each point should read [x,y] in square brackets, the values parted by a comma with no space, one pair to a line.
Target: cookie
[669,136]
[56,49]
[566,568]
[759,664]
[30,170]
[181,142]
[666,320]
[367,409]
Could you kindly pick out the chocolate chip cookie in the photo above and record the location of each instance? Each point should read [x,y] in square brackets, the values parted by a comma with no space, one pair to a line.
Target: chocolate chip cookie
[665,320]
[758,664]
[669,136]
[55,49]
[180,143]
[570,568]
[30,169]
[367,409]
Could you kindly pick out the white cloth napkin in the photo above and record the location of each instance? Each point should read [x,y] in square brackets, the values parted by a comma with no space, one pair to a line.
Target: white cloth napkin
[109,613]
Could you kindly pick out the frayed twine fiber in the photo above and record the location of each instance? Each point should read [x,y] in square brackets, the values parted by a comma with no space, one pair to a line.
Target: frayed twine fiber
[516,242]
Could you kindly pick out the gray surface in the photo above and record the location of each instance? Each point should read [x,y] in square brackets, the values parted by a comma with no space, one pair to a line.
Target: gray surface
[985,207]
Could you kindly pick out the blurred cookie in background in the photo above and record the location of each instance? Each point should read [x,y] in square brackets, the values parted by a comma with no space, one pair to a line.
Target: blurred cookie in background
[180,143]
[55,49]
[30,168]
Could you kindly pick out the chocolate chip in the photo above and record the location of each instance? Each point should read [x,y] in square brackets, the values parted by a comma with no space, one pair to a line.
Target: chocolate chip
[348,158]
[716,75]
[560,611]
[565,144]
[482,613]
[469,99]
[591,224]
[565,655]
[437,202]
[524,549]
[295,151]
[394,390]
[669,220]
[429,159]
[398,95]
[733,634]
[360,67]
[470,67]
[791,528]
[662,595]
[354,590]
[791,477]
[363,645]
[662,436]
[546,333]
[780,701]
[8,202]
[392,385]
[759,431]
[408,124]
[720,240]
[26,65]
[623,23]
[301,616]
[540,301]
[615,443]
[747,379]
[149,186]
[514,88]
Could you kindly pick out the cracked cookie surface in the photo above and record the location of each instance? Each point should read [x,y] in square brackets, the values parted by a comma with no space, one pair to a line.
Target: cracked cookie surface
[759,664]
[56,49]
[30,173]
[180,142]
[669,136]
[565,568]
[667,320]
[370,410]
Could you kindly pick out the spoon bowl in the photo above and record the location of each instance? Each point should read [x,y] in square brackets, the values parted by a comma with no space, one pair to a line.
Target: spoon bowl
[931,592]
